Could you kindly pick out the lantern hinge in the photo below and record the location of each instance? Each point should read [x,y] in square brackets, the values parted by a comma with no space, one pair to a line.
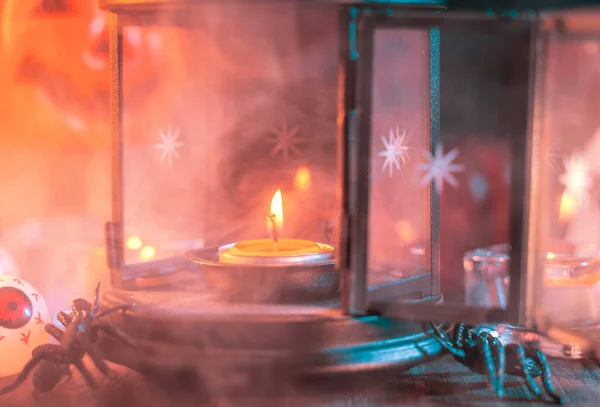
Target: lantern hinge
[113,233]
[353,12]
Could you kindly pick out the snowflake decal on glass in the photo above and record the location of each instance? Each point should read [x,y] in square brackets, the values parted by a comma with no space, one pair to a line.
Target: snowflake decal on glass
[285,141]
[576,178]
[169,145]
[440,168]
[395,151]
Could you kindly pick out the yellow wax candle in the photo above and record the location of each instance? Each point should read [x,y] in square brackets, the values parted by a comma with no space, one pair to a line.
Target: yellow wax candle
[268,247]
[275,250]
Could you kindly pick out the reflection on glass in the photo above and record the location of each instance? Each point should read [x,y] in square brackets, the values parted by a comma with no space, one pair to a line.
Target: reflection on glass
[569,175]
[486,276]
[399,235]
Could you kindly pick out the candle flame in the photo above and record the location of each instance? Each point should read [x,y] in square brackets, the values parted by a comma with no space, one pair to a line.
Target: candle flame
[147,253]
[277,210]
[134,243]
[302,179]
[568,204]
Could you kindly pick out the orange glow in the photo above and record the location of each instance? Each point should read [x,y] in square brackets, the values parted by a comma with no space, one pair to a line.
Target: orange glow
[406,232]
[147,253]
[277,210]
[550,256]
[568,204]
[302,179]
[134,243]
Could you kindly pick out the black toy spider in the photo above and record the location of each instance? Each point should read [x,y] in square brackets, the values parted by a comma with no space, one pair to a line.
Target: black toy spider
[484,353]
[81,329]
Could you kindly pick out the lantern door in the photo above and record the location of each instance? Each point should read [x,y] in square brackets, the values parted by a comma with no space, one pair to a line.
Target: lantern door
[227,113]
[563,255]
[435,146]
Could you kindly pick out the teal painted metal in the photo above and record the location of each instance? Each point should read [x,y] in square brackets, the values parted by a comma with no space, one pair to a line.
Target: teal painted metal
[504,7]
[419,3]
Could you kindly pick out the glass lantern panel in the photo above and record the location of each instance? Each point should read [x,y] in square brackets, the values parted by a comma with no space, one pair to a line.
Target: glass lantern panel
[566,173]
[223,107]
[399,211]
[449,102]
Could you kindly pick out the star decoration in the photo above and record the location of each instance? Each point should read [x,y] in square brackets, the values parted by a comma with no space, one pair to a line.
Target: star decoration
[285,141]
[576,178]
[440,168]
[168,145]
[395,151]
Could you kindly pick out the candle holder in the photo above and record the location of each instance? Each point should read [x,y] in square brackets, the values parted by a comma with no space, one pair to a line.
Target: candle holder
[269,279]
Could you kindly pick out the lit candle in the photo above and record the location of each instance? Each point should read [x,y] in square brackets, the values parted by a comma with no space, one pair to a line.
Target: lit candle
[276,249]
[566,211]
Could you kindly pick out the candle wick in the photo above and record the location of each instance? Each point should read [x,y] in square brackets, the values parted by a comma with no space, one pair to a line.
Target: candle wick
[271,218]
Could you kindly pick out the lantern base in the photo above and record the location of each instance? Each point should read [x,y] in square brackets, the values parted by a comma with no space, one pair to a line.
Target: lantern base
[193,342]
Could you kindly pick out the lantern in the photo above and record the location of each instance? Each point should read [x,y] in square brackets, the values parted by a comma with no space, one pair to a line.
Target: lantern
[552,281]
[409,172]
[232,230]
[546,276]
[225,221]
[563,213]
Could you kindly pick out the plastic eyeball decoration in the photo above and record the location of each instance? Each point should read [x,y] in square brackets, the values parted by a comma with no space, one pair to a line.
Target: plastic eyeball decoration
[23,315]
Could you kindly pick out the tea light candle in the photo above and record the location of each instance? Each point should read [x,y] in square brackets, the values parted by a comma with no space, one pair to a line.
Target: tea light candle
[275,250]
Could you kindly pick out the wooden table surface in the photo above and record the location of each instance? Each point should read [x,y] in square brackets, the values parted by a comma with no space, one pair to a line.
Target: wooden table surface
[440,383]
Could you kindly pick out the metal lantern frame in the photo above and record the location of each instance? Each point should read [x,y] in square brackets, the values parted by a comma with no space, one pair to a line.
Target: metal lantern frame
[571,26]
[358,23]
[356,142]
[145,12]
[388,300]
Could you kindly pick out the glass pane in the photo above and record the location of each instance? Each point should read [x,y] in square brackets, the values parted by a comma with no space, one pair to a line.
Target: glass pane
[54,178]
[451,188]
[240,110]
[568,173]
[399,237]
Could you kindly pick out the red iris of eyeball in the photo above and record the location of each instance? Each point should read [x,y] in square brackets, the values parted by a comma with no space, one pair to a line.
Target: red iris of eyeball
[16,308]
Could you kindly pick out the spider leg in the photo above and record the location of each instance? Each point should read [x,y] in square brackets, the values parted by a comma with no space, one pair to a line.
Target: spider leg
[54,331]
[95,356]
[488,360]
[114,332]
[22,376]
[64,318]
[46,351]
[68,374]
[87,376]
[539,357]
[96,305]
[442,339]
[458,335]
[99,361]
[500,358]
[521,359]
[110,310]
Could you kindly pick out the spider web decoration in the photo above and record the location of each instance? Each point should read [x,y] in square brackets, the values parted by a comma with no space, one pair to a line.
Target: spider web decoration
[395,152]
[285,141]
[576,179]
[168,145]
[440,168]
